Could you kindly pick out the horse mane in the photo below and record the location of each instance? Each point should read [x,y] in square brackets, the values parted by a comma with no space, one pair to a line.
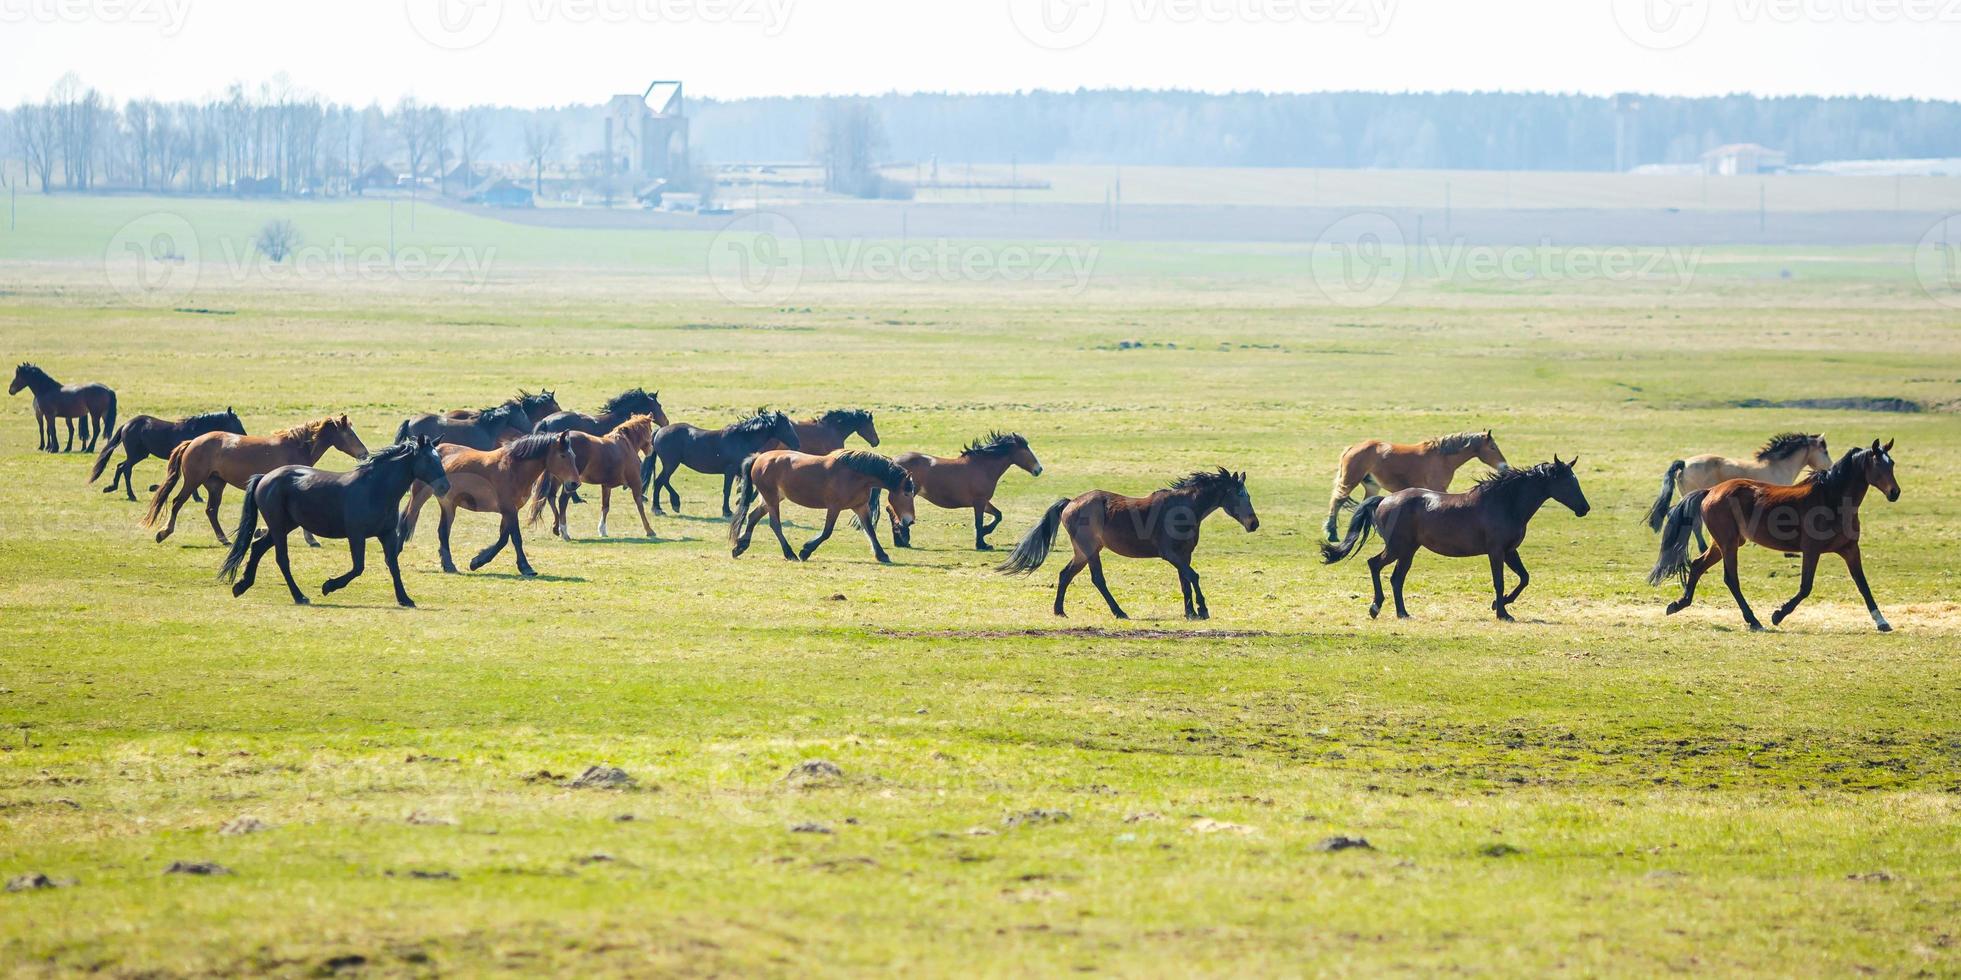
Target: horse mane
[1834,478]
[848,419]
[34,371]
[640,421]
[1456,442]
[626,400]
[1518,476]
[1210,485]
[1783,445]
[203,417]
[996,444]
[305,430]
[879,468]
[533,446]
[399,450]
[762,422]
[496,413]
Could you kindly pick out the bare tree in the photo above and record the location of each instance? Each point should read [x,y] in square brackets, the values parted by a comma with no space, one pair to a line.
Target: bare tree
[541,143]
[277,240]
[472,132]
[848,138]
[37,134]
[412,127]
[439,142]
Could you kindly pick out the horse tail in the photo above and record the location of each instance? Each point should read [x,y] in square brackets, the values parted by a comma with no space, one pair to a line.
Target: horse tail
[402,432]
[108,449]
[1683,520]
[1659,512]
[541,494]
[745,495]
[1358,532]
[248,524]
[1034,547]
[172,472]
[872,509]
[109,417]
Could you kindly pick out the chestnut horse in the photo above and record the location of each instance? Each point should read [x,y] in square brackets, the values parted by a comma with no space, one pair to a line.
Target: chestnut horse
[846,480]
[1489,519]
[94,404]
[968,480]
[492,482]
[357,506]
[715,451]
[1812,518]
[607,462]
[827,433]
[1779,461]
[1163,525]
[146,435]
[1388,466]
[218,459]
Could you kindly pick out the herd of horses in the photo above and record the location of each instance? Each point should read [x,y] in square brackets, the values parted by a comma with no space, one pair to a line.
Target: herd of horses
[528,449]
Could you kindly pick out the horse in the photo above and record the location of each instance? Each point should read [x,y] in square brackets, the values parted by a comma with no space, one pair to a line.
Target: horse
[849,479]
[94,404]
[1163,525]
[146,435]
[1379,466]
[826,433]
[717,451]
[494,481]
[536,406]
[1489,519]
[619,408]
[487,429]
[217,459]
[608,462]
[1811,518]
[357,505]
[968,480]
[1779,461]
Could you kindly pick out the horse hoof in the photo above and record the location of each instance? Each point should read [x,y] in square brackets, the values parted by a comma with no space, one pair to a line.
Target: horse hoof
[983,547]
[1777,618]
[1375,611]
[300,600]
[238,589]
[528,572]
[1756,627]
[1886,627]
[405,603]
[1403,615]
[1673,608]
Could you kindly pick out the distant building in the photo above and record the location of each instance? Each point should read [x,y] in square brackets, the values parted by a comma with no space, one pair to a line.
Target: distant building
[647,134]
[1742,159]
[463,178]
[499,192]
[379,175]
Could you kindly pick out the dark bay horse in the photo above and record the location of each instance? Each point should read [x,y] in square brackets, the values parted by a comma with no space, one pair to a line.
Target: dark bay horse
[1163,525]
[826,433]
[146,435]
[487,429]
[536,406]
[1779,461]
[1376,465]
[714,451]
[608,461]
[619,408]
[492,482]
[846,480]
[216,460]
[357,505]
[1489,519]
[968,480]
[1816,517]
[94,404]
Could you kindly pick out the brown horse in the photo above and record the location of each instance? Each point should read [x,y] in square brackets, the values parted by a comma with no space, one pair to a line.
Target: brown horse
[146,435]
[606,462]
[846,480]
[968,480]
[1489,519]
[1379,466]
[1815,517]
[1779,461]
[215,460]
[1163,525]
[826,433]
[94,404]
[492,482]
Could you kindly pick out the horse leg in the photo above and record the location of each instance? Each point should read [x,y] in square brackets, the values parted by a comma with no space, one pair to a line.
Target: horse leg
[391,551]
[483,557]
[1855,563]
[177,504]
[1096,579]
[995,513]
[311,541]
[1184,586]
[286,565]
[639,501]
[358,547]
[1735,583]
[1517,565]
[259,549]
[728,482]
[1396,576]
[517,545]
[1345,481]
[71,436]
[1498,584]
[1198,592]
[1706,561]
[864,514]
[1375,576]
[217,488]
[1069,571]
[443,524]
[776,524]
[666,479]
[40,428]
[605,507]
[830,521]
[742,544]
[1806,569]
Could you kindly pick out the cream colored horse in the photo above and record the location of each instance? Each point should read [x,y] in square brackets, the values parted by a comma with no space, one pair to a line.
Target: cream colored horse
[1379,467]
[1779,461]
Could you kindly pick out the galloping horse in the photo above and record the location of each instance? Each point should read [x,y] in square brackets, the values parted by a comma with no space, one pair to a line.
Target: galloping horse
[968,480]
[1812,518]
[487,429]
[826,433]
[492,482]
[1163,525]
[1779,461]
[846,480]
[217,459]
[719,451]
[619,408]
[1388,466]
[94,404]
[357,506]
[146,435]
[536,406]
[1489,519]
[608,462]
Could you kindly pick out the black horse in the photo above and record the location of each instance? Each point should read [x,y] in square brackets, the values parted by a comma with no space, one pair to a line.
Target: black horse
[486,430]
[713,451]
[94,404]
[356,505]
[619,408]
[146,435]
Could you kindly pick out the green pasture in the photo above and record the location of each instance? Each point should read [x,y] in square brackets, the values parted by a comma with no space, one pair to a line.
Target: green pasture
[1596,789]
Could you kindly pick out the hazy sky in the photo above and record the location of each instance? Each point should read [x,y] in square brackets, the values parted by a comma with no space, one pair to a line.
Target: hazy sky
[541,52]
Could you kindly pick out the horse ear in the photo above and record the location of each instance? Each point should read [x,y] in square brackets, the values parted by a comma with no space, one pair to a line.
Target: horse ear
[1555,459]
[1875,445]
[1888,447]
[1575,461]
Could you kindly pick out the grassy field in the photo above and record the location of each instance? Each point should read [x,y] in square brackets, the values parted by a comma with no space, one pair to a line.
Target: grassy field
[1595,789]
